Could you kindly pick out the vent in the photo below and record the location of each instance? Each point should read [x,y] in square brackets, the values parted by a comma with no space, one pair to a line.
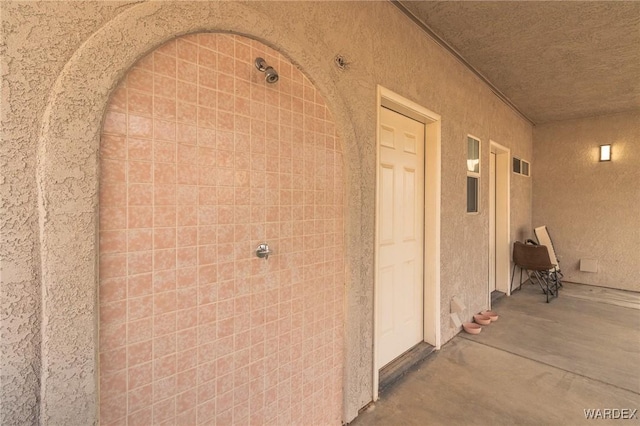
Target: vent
[521,167]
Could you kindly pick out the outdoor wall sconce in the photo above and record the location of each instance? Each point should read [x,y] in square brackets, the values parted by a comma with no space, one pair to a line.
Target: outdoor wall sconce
[605,152]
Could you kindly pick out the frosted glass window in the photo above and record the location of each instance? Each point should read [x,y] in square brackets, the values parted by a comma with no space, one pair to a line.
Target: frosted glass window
[473,155]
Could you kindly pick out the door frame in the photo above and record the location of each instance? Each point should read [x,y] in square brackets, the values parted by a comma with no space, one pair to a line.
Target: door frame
[500,251]
[432,187]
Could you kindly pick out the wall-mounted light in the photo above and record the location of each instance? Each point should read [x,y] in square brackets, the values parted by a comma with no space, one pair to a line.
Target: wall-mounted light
[605,152]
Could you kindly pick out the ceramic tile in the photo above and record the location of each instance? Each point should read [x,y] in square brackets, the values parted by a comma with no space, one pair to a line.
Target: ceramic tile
[208,40]
[113,241]
[226,65]
[186,257]
[113,336]
[164,64]
[139,127]
[113,265]
[112,289]
[139,103]
[139,330]
[164,216]
[164,108]
[187,50]
[164,152]
[186,113]
[164,280]
[140,262]
[164,410]
[118,100]
[139,399]
[164,86]
[207,58]
[140,79]
[115,171]
[164,345]
[113,147]
[112,409]
[186,71]
[186,401]
[201,161]
[226,45]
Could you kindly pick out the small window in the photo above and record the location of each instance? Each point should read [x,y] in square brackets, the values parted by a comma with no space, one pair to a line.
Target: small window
[472,194]
[473,174]
[473,155]
[520,167]
[516,165]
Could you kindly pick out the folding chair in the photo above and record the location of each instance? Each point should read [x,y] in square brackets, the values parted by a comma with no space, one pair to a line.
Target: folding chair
[542,235]
[536,261]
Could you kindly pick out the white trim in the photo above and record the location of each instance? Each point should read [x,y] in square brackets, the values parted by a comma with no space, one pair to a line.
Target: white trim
[432,121]
[492,220]
[502,271]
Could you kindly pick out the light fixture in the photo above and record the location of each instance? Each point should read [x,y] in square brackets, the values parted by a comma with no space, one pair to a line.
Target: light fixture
[605,152]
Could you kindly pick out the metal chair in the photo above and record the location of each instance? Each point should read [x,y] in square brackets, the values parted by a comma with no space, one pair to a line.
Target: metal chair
[542,235]
[535,259]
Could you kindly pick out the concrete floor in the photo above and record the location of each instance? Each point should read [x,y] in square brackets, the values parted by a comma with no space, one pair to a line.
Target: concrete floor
[539,364]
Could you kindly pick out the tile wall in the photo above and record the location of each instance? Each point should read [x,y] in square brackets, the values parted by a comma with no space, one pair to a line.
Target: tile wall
[201,161]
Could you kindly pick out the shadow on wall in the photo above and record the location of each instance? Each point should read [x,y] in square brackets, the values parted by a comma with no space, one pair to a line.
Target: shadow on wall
[523,234]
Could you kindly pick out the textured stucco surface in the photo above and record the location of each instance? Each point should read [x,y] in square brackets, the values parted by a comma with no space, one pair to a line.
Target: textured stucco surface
[58,86]
[591,207]
[555,60]
[28,72]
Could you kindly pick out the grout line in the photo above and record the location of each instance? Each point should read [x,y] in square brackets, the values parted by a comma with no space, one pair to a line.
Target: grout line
[548,364]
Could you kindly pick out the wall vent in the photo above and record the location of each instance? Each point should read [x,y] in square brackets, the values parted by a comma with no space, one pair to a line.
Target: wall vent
[589,265]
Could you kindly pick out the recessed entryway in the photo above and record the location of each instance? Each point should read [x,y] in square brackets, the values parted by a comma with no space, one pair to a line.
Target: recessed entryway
[400,234]
[499,218]
[407,246]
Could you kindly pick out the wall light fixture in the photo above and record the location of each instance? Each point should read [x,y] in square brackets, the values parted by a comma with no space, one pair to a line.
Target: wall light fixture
[605,152]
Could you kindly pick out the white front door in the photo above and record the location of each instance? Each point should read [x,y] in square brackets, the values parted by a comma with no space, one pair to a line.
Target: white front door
[399,309]
[499,221]
[492,223]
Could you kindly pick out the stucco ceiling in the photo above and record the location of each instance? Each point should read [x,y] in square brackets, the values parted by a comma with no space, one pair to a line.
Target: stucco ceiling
[554,60]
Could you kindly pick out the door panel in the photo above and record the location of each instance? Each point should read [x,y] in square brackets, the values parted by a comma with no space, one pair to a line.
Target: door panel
[499,219]
[400,236]
[386,203]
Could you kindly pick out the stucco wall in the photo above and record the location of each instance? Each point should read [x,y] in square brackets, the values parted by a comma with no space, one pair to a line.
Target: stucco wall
[37,41]
[63,60]
[591,207]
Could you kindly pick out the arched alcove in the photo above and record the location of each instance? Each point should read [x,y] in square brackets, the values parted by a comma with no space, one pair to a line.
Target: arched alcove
[202,161]
[68,194]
